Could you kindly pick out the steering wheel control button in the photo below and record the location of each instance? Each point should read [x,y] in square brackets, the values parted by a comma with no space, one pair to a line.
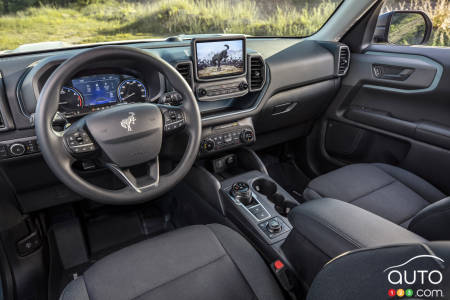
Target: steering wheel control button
[173,119]
[17,149]
[79,142]
[273,227]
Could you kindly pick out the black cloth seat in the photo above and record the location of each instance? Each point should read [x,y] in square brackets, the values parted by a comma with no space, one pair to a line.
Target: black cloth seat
[341,280]
[196,262]
[390,192]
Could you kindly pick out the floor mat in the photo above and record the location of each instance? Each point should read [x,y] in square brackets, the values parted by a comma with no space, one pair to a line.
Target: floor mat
[287,174]
[104,232]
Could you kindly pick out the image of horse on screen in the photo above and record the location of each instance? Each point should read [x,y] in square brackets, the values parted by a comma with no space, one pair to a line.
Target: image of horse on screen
[220,58]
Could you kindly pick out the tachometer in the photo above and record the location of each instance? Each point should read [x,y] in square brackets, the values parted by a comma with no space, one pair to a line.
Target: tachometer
[70,99]
[132,90]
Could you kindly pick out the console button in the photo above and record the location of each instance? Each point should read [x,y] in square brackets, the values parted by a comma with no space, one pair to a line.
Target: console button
[3,151]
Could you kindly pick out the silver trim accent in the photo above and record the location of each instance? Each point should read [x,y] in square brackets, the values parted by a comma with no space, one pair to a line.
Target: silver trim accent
[339,60]
[129,181]
[249,72]
[255,106]
[248,208]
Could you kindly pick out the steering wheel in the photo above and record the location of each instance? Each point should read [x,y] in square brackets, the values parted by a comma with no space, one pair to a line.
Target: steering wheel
[120,137]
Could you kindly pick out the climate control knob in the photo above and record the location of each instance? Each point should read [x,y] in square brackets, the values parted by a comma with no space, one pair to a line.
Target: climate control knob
[17,149]
[202,92]
[207,145]
[247,136]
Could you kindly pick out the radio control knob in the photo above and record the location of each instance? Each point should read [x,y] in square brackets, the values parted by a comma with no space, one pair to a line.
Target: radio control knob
[207,145]
[202,92]
[243,86]
[247,136]
[17,149]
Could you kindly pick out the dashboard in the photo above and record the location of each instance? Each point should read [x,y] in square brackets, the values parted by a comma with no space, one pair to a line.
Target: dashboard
[265,91]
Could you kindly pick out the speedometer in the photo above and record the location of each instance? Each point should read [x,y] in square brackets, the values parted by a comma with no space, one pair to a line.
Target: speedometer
[132,90]
[70,99]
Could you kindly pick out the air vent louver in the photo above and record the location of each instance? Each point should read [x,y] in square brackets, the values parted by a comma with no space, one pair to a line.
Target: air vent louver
[257,73]
[185,69]
[344,60]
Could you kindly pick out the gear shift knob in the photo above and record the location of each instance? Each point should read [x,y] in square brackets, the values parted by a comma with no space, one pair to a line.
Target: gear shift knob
[241,192]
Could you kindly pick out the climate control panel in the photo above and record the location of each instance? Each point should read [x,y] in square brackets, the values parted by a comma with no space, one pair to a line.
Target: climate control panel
[227,136]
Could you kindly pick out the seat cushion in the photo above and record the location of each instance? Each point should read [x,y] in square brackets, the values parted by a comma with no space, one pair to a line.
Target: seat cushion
[385,190]
[196,262]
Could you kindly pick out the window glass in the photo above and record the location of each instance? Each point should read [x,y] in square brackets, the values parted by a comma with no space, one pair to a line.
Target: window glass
[27,25]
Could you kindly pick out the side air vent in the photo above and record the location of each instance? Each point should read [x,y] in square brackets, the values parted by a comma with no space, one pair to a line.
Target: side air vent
[185,69]
[257,72]
[343,60]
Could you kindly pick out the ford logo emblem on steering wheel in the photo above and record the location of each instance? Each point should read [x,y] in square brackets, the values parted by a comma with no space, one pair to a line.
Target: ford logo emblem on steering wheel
[126,123]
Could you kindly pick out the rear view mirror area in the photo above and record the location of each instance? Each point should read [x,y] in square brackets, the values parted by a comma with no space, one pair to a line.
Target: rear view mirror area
[403,28]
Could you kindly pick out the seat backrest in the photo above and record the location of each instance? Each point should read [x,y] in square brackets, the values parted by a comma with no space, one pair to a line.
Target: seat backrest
[408,270]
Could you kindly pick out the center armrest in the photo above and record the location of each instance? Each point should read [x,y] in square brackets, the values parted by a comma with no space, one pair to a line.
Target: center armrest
[325,228]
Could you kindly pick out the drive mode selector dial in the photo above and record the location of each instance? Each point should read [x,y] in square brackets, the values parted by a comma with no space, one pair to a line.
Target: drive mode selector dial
[274,226]
[241,192]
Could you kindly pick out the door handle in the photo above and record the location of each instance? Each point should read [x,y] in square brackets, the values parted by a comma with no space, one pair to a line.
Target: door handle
[391,72]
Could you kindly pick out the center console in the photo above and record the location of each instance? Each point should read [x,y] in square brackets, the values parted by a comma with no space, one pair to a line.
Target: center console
[256,200]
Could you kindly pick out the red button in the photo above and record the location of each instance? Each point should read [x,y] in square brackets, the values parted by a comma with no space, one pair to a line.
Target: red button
[278,264]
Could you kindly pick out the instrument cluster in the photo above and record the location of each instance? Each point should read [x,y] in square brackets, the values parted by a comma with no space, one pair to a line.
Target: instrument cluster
[95,92]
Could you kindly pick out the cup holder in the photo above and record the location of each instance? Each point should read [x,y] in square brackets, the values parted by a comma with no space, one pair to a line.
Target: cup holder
[265,187]
[269,189]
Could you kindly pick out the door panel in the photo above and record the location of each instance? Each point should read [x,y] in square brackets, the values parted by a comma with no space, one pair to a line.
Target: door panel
[402,118]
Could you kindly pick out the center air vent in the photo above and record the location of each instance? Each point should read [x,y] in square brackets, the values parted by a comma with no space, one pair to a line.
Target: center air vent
[185,69]
[343,60]
[257,73]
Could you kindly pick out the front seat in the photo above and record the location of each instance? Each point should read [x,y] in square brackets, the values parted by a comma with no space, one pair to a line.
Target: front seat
[390,192]
[196,262]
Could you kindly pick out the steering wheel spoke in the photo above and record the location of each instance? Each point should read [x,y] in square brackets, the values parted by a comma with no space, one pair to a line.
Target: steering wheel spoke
[173,117]
[138,184]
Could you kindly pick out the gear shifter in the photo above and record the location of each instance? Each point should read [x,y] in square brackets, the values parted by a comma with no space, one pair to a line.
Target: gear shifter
[241,192]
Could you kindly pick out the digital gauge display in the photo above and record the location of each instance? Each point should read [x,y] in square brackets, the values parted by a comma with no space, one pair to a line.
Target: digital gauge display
[98,89]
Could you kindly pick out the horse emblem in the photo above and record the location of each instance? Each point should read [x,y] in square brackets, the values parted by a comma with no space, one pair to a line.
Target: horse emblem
[126,123]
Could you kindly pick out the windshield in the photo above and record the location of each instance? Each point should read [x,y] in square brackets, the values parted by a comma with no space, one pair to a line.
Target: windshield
[32,25]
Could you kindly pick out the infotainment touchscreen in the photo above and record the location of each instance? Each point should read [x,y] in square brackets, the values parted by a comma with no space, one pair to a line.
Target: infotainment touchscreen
[219,58]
